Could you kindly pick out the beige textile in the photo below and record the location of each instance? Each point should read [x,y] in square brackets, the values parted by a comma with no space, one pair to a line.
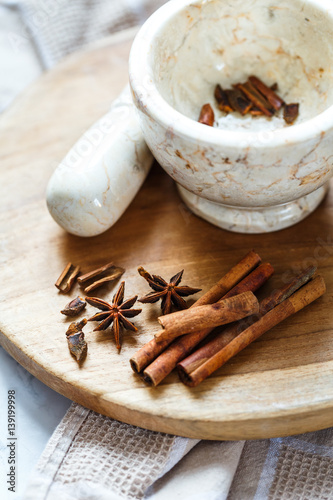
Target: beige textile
[59,27]
[94,457]
[91,457]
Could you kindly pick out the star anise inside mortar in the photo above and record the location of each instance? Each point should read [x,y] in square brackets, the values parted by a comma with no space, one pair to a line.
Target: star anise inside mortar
[170,293]
[115,313]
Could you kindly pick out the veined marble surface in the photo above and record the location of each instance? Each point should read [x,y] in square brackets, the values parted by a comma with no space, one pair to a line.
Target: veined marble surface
[242,173]
[38,408]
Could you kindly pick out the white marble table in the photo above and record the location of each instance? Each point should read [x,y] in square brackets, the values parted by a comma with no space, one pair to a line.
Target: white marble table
[38,408]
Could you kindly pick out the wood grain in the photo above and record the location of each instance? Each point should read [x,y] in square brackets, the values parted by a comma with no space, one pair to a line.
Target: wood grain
[282,384]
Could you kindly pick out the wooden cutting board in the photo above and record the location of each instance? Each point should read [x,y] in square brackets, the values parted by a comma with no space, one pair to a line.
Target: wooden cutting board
[282,384]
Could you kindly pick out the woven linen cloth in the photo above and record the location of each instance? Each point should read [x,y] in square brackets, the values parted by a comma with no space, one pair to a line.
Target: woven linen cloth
[92,457]
[59,27]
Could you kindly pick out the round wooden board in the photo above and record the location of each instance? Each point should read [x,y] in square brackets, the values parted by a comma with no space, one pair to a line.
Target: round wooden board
[280,385]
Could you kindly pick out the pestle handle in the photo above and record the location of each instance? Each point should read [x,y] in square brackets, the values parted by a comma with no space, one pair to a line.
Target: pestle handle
[101,174]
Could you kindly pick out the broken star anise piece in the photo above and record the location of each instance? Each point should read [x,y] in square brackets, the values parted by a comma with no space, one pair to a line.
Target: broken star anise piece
[115,313]
[75,338]
[74,307]
[170,293]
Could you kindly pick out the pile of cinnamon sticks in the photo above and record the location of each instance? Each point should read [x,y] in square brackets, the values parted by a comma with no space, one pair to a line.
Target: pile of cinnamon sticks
[253,97]
[231,301]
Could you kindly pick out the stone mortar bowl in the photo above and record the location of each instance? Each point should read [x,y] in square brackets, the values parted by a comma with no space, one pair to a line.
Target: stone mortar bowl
[251,174]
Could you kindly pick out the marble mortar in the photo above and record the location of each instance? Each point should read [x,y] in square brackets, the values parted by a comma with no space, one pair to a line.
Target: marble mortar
[249,175]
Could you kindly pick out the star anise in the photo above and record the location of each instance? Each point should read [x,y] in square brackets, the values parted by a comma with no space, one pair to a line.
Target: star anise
[115,313]
[170,293]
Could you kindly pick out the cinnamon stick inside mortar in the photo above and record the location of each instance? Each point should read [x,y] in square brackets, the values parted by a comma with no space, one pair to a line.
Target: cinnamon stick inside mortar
[222,99]
[274,100]
[150,351]
[182,346]
[207,115]
[258,100]
[303,297]
[222,338]
[238,101]
[196,319]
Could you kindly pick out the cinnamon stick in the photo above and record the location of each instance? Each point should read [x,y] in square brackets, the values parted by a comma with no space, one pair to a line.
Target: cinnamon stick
[98,277]
[234,276]
[255,97]
[144,356]
[207,116]
[198,318]
[67,278]
[238,101]
[112,276]
[181,347]
[283,293]
[253,281]
[275,101]
[303,297]
[222,338]
[96,272]
[222,99]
